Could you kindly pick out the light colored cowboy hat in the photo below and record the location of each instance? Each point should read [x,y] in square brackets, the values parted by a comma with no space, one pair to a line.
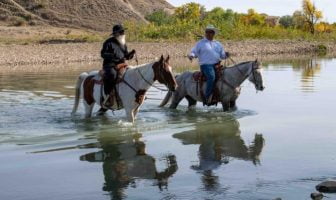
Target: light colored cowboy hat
[212,28]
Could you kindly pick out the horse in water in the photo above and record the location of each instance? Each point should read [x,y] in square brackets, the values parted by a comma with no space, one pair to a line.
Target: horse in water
[228,85]
[131,88]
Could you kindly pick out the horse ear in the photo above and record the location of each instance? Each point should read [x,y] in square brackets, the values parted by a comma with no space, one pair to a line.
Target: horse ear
[256,61]
[167,59]
[161,59]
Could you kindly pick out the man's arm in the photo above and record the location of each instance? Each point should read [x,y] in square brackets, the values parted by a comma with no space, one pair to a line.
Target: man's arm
[129,55]
[223,54]
[194,52]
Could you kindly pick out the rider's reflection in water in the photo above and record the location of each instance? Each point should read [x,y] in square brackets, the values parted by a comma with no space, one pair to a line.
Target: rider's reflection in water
[220,142]
[126,161]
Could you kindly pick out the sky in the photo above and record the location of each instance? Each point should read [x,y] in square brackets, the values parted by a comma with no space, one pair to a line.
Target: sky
[270,7]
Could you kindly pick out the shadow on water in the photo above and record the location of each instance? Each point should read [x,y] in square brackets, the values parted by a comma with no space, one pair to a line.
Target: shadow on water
[219,143]
[124,158]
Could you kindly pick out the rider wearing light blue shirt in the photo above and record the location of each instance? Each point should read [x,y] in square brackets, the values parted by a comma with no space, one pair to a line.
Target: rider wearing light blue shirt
[209,53]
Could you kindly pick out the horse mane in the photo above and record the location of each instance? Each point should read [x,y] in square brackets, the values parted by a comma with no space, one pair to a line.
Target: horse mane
[242,63]
[139,66]
[237,65]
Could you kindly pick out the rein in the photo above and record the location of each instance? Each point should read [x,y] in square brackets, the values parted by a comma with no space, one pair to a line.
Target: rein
[129,85]
[151,84]
[241,72]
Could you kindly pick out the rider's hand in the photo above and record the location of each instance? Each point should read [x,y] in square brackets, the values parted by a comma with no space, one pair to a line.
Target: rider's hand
[131,54]
[190,57]
[227,54]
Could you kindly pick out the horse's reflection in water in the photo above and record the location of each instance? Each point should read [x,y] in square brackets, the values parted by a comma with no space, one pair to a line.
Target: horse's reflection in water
[125,161]
[220,142]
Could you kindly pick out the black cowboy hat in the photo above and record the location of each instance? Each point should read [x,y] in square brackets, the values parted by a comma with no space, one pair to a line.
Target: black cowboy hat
[117,29]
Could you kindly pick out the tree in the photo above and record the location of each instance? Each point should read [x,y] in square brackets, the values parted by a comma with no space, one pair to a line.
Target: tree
[190,12]
[323,27]
[286,21]
[253,18]
[298,20]
[159,17]
[311,14]
[218,16]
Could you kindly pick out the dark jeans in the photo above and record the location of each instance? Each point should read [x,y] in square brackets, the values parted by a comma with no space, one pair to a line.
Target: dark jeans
[109,79]
[210,74]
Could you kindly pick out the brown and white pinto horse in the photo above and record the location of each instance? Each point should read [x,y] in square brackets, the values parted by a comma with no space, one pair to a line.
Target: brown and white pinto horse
[131,88]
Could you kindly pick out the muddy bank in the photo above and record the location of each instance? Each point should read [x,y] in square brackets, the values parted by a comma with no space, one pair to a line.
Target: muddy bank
[20,55]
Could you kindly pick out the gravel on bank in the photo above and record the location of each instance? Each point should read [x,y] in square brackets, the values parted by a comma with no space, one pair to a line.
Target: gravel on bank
[14,55]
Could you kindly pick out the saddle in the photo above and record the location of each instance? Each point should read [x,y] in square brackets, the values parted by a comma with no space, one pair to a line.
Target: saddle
[113,100]
[200,78]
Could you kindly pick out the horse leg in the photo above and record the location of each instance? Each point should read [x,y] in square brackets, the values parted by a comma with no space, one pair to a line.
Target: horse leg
[226,106]
[88,109]
[130,114]
[233,105]
[135,111]
[177,98]
[191,102]
[101,111]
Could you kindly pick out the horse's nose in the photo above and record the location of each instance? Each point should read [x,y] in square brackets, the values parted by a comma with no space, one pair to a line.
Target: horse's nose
[262,88]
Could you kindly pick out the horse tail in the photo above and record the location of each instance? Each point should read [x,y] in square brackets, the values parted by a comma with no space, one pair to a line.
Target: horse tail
[166,99]
[80,80]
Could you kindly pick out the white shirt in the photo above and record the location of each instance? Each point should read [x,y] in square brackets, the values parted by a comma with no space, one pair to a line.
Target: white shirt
[208,52]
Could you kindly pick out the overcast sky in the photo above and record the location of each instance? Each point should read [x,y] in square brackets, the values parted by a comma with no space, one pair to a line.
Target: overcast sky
[270,7]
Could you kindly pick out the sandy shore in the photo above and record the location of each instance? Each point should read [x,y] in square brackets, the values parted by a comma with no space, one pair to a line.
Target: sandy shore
[14,55]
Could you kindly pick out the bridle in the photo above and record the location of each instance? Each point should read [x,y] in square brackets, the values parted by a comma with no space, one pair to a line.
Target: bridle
[155,77]
[242,73]
[252,71]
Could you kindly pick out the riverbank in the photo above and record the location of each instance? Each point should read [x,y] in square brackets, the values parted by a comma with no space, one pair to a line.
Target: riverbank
[33,54]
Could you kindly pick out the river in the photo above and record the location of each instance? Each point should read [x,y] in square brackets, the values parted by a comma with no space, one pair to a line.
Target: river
[279,143]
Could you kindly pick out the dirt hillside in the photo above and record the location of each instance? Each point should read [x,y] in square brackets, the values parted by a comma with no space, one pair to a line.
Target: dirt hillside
[92,14]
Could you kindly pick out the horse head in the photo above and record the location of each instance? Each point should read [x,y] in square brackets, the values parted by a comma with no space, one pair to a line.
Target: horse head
[256,75]
[164,74]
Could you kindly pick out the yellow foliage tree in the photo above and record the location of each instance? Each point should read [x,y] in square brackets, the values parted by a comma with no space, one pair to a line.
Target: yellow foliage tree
[190,12]
[253,18]
[323,27]
[311,14]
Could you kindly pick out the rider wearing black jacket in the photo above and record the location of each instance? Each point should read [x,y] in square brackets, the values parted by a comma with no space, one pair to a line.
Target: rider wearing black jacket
[114,52]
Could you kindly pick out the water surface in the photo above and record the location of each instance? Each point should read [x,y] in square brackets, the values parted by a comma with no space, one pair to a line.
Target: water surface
[279,143]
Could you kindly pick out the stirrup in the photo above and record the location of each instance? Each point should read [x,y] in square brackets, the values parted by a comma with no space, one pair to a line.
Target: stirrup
[105,101]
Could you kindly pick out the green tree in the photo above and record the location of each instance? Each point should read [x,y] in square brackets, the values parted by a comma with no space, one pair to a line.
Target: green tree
[311,14]
[286,21]
[298,20]
[159,18]
[218,16]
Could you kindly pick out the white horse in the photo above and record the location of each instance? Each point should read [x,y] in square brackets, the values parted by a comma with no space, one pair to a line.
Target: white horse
[228,85]
[131,89]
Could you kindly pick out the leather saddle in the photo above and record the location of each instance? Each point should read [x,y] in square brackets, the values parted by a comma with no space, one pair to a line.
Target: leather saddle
[113,101]
[120,69]
[200,78]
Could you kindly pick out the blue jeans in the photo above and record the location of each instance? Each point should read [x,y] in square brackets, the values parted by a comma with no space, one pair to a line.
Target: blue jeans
[209,72]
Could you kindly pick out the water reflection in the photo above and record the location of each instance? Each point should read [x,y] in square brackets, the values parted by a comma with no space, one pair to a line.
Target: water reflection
[125,160]
[309,69]
[219,142]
